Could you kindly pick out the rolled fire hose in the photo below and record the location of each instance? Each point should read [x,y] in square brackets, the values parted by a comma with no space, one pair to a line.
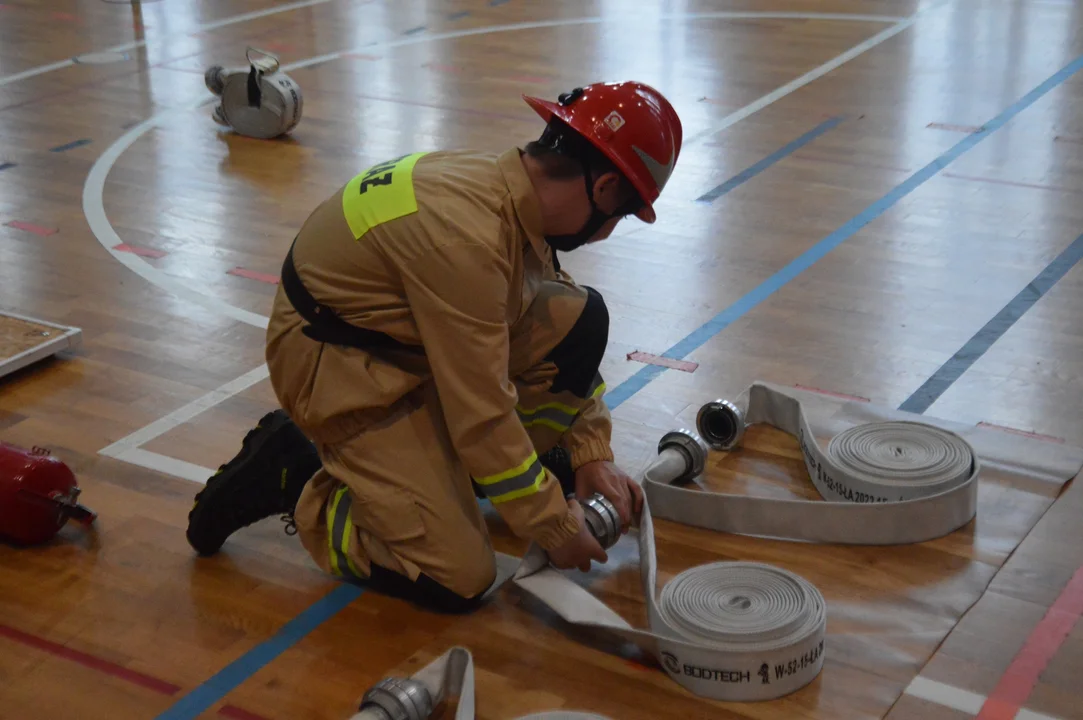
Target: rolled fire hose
[259,101]
[882,483]
[452,674]
[736,631]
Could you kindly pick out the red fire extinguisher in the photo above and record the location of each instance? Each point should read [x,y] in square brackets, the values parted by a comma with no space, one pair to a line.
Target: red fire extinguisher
[38,495]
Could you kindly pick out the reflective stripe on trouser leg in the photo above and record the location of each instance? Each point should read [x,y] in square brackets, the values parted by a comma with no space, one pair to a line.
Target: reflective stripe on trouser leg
[339,531]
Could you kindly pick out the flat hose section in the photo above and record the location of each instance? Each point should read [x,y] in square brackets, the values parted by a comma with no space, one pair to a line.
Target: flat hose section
[734,631]
[744,631]
[882,483]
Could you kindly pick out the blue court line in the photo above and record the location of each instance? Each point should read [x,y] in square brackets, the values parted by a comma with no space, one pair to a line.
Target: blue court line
[494,3]
[458,15]
[228,678]
[71,145]
[974,348]
[768,287]
[5,166]
[413,30]
[788,149]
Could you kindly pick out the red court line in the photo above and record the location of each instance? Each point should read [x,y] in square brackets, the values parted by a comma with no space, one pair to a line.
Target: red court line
[467,111]
[253,275]
[278,46]
[95,663]
[192,71]
[142,251]
[851,163]
[86,86]
[231,711]
[444,68]
[29,227]
[110,668]
[163,65]
[955,128]
[683,365]
[533,79]
[640,665]
[1013,183]
[1015,686]
[1014,431]
[858,398]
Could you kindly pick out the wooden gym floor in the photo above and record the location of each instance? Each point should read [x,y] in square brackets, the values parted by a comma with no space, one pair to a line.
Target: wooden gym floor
[878,199]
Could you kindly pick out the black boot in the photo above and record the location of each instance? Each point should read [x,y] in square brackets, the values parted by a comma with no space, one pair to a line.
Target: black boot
[265,478]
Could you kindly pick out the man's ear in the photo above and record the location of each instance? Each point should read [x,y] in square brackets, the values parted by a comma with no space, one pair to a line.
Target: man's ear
[607,187]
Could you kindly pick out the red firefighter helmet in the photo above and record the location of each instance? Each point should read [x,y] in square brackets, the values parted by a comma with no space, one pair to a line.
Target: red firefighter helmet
[632,123]
[37,496]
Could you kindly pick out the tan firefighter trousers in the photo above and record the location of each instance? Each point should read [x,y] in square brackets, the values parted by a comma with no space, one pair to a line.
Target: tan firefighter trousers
[391,489]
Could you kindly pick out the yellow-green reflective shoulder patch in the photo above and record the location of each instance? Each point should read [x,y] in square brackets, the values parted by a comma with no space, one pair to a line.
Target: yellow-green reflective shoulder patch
[381,194]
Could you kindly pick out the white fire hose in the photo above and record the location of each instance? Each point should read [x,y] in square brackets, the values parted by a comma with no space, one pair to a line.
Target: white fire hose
[738,631]
[884,483]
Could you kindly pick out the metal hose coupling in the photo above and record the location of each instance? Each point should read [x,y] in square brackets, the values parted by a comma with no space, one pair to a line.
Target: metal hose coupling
[691,446]
[603,520]
[215,80]
[396,699]
[722,424]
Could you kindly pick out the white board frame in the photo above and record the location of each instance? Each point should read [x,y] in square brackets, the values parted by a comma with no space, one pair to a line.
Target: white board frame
[70,337]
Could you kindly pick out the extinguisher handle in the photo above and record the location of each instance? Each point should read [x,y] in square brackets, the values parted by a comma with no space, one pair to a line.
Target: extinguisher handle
[82,514]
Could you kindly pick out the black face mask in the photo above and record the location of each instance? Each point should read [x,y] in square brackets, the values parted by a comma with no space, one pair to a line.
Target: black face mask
[567,243]
[571,241]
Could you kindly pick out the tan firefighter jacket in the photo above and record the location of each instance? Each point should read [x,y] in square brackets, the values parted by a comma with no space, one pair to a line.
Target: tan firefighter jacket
[446,249]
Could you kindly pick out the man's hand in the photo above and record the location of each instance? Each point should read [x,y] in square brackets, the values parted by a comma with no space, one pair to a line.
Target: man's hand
[578,550]
[602,476]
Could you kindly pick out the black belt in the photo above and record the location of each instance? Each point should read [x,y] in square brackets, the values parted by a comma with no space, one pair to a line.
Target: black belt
[327,327]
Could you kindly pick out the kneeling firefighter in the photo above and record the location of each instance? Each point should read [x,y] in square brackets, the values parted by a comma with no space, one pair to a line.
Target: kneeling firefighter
[427,349]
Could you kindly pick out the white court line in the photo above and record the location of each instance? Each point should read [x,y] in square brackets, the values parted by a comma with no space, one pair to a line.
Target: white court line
[182,415]
[165,464]
[94,186]
[42,69]
[128,448]
[805,79]
[814,74]
[958,699]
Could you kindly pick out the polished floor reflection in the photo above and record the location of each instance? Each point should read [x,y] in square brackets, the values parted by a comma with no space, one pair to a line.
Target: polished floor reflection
[875,199]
